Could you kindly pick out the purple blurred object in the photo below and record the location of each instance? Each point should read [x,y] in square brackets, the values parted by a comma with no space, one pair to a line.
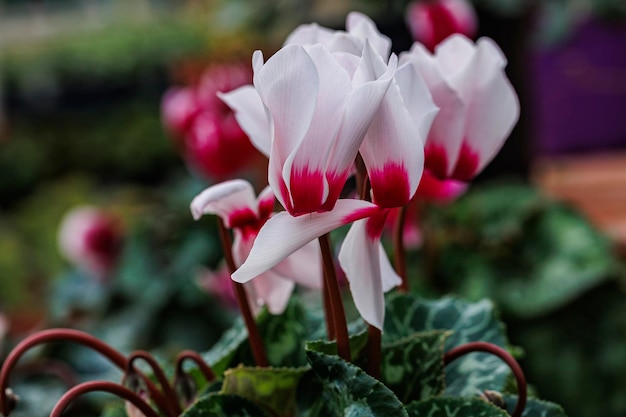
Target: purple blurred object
[579,91]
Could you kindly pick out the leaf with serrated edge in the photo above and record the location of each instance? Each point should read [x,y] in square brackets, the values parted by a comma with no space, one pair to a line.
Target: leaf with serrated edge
[413,367]
[358,342]
[407,314]
[454,407]
[352,392]
[273,389]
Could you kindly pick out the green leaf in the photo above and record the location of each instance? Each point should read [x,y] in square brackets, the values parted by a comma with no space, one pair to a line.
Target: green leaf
[535,408]
[218,405]
[358,342]
[224,351]
[454,407]
[509,243]
[413,367]
[351,392]
[283,336]
[408,314]
[564,257]
[273,389]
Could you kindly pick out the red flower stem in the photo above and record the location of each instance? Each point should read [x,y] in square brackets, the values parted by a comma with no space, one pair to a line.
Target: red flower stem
[59,335]
[522,389]
[336,303]
[171,399]
[256,344]
[398,249]
[105,386]
[374,351]
[204,367]
[328,310]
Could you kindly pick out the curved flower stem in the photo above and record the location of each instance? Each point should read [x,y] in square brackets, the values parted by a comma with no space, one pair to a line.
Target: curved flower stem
[398,249]
[59,335]
[256,344]
[170,397]
[522,389]
[106,386]
[336,303]
[204,367]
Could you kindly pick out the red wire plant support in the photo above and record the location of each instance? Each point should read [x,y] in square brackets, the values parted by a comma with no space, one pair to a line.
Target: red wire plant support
[161,400]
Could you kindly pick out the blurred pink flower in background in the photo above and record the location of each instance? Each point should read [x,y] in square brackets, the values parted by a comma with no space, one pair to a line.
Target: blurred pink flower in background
[204,128]
[219,284]
[90,239]
[432,21]
[478,106]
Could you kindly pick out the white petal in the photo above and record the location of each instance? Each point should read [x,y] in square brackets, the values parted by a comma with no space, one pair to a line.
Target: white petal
[283,234]
[250,114]
[225,199]
[288,84]
[448,128]
[454,54]
[416,97]
[387,272]
[273,291]
[309,34]
[372,80]
[334,90]
[363,27]
[304,266]
[359,257]
[393,152]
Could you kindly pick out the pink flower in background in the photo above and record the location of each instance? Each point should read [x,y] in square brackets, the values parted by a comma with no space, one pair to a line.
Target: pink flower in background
[432,21]
[219,284]
[235,203]
[478,106]
[91,240]
[204,128]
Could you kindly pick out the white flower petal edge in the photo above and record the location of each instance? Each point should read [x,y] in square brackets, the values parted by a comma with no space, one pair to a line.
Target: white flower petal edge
[224,199]
[369,272]
[284,234]
[250,114]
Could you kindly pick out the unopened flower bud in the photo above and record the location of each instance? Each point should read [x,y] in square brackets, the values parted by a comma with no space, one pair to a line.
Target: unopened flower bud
[432,21]
[493,397]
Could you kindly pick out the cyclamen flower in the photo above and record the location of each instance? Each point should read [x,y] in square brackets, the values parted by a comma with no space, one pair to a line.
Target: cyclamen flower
[478,105]
[204,128]
[392,142]
[235,203]
[432,21]
[90,239]
[309,110]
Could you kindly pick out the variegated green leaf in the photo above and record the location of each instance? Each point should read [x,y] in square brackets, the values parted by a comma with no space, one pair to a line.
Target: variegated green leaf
[283,336]
[454,407]
[358,342]
[413,367]
[273,389]
[407,314]
[351,392]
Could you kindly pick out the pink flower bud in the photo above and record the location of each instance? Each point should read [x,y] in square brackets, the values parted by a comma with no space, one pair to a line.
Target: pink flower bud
[432,21]
[91,240]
